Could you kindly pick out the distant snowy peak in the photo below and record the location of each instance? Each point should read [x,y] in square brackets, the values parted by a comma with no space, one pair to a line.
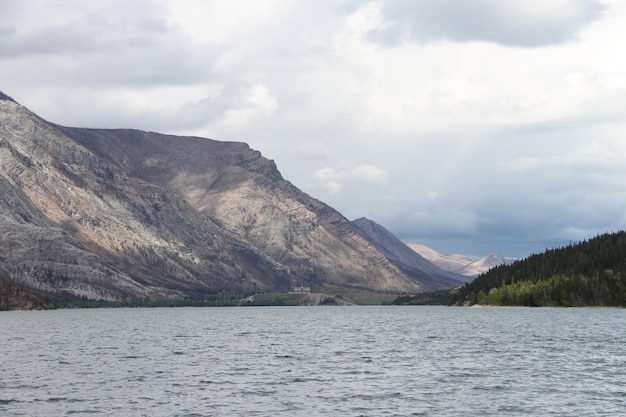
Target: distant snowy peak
[484,264]
[459,263]
[453,263]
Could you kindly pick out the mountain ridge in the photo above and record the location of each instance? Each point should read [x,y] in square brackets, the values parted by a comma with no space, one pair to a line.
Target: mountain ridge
[398,251]
[460,264]
[120,214]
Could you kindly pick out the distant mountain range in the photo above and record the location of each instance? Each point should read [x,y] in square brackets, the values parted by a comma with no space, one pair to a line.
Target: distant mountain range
[398,252]
[118,214]
[460,264]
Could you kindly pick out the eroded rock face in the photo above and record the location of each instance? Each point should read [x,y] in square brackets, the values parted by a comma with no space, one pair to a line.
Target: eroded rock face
[115,214]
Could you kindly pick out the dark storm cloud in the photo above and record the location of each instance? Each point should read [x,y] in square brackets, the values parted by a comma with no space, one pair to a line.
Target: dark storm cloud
[512,22]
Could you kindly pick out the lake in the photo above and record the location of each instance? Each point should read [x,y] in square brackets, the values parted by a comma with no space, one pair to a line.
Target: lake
[314,361]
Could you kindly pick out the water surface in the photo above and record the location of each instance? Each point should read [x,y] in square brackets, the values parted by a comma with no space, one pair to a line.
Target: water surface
[314,361]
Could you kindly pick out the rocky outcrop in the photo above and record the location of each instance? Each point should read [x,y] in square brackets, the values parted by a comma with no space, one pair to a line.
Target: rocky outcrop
[120,214]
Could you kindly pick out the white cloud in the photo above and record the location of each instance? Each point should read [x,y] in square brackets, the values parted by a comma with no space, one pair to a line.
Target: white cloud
[594,156]
[509,22]
[334,179]
[432,195]
[328,179]
[369,174]
[258,103]
[312,151]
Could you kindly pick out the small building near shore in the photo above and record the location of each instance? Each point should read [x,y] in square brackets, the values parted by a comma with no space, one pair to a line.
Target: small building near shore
[301,290]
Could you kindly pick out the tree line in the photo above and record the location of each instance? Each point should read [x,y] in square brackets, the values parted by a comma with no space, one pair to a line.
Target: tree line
[589,273]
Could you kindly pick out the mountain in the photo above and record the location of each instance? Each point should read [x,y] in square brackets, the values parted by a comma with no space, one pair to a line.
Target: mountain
[458,263]
[400,254]
[484,264]
[118,214]
[16,297]
[590,273]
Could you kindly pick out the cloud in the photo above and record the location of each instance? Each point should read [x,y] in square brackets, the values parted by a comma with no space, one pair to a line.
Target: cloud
[334,179]
[509,22]
[328,179]
[87,30]
[257,103]
[312,151]
[432,195]
[485,125]
[592,156]
[444,220]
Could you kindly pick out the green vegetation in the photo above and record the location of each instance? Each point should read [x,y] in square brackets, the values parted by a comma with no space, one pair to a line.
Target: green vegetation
[358,297]
[66,300]
[160,302]
[590,273]
[264,299]
[430,298]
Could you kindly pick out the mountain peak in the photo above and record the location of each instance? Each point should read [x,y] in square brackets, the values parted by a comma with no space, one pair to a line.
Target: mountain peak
[123,214]
[460,264]
[397,251]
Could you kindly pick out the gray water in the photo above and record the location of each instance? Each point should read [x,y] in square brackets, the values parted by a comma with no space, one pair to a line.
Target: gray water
[314,361]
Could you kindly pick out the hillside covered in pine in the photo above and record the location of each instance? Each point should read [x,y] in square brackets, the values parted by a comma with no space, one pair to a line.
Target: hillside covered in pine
[590,273]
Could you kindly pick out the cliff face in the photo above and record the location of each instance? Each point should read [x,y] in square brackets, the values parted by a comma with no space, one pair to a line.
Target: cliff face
[115,214]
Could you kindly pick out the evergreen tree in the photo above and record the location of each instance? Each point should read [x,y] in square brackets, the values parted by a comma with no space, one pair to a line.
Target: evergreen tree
[591,273]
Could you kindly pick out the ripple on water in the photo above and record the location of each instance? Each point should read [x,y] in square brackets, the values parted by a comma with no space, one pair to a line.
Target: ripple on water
[378,361]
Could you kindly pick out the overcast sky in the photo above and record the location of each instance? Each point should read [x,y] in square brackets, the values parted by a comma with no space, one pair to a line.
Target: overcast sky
[468,126]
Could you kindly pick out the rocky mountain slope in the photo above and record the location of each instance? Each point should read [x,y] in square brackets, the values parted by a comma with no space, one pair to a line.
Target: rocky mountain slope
[16,297]
[460,264]
[407,259]
[123,214]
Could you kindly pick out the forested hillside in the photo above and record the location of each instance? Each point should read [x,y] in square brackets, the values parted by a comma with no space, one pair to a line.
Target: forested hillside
[590,273]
